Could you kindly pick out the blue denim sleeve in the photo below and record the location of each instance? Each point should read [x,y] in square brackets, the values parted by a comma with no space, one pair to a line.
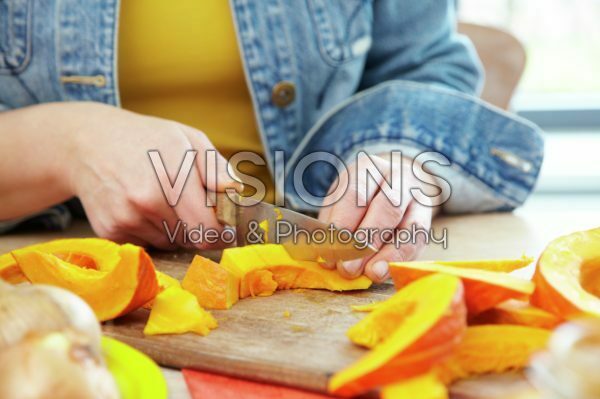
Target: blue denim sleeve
[418,94]
[417,41]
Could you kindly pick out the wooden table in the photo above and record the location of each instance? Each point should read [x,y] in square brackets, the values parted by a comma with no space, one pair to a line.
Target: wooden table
[527,230]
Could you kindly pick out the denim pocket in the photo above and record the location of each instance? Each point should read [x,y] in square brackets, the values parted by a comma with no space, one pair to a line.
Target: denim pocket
[342,27]
[15,35]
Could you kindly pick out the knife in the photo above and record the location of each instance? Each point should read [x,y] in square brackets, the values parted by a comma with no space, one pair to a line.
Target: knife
[304,237]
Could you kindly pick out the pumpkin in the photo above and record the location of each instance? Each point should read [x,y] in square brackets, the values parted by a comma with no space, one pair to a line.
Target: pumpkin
[89,253]
[411,332]
[483,289]
[492,265]
[568,276]
[214,286]
[114,280]
[492,348]
[176,311]
[518,313]
[258,270]
[426,386]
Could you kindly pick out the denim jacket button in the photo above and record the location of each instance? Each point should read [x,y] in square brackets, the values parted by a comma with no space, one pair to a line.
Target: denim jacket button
[283,93]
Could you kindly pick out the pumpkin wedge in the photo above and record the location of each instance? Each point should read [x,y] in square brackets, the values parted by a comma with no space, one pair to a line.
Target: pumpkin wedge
[117,285]
[426,386]
[416,328]
[89,253]
[568,276]
[258,270]
[492,265]
[176,311]
[518,313]
[492,348]
[483,289]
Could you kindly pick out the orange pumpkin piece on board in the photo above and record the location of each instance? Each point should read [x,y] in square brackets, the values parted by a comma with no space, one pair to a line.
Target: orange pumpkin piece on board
[492,349]
[567,277]
[176,311]
[483,289]
[89,253]
[426,386]
[492,265]
[121,279]
[412,331]
[518,313]
[214,286]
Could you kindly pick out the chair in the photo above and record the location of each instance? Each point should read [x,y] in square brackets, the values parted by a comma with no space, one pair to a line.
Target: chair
[503,57]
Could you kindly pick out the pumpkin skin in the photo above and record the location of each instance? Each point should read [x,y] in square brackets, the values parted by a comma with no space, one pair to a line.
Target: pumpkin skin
[483,289]
[121,281]
[567,277]
[424,322]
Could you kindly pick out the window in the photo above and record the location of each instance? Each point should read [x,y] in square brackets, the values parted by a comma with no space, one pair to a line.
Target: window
[562,41]
[560,88]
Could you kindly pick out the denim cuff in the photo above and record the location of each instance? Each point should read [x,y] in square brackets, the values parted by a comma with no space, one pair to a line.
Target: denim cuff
[495,156]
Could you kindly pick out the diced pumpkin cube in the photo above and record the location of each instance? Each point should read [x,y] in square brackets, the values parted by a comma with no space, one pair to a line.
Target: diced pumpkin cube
[214,286]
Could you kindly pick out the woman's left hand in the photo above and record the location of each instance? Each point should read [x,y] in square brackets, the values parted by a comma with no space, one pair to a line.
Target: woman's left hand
[380,213]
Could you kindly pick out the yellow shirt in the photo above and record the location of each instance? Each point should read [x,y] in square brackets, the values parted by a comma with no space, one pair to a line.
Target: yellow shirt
[180,60]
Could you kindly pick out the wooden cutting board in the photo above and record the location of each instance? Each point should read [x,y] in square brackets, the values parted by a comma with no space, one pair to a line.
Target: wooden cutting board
[255,340]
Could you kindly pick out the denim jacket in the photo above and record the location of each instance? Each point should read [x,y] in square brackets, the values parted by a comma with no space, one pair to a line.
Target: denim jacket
[324,75]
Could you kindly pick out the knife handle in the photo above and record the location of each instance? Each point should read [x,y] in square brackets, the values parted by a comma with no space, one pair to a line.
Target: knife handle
[226,208]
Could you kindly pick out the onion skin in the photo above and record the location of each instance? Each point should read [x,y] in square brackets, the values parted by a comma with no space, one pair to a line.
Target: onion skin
[50,346]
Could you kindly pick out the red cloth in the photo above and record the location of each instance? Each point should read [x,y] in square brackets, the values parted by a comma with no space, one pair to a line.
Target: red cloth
[213,386]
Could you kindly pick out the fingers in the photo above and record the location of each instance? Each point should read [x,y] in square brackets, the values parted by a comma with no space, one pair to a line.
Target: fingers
[213,167]
[416,215]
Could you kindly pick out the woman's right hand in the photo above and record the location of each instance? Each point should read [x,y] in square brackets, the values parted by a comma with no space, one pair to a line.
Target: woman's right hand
[109,169]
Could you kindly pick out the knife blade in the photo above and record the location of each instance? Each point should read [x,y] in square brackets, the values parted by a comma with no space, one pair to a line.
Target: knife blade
[304,237]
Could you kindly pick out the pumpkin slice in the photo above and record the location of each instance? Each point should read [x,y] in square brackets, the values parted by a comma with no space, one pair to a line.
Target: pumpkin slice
[413,330]
[492,348]
[426,386]
[492,265]
[568,276]
[518,313]
[483,289]
[90,253]
[111,289]
[176,311]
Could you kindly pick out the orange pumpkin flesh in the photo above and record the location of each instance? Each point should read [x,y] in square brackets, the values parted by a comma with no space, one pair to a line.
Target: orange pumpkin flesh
[492,265]
[214,286]
[426,386]
[90,253]
[567,277]
[492,349]
[416,337]
[176,311]
[123,281]
[518,313]
[483,289]
[258,270]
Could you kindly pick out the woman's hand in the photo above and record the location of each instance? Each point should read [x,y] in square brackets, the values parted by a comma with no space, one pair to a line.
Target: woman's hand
[380,213]
[109,169]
